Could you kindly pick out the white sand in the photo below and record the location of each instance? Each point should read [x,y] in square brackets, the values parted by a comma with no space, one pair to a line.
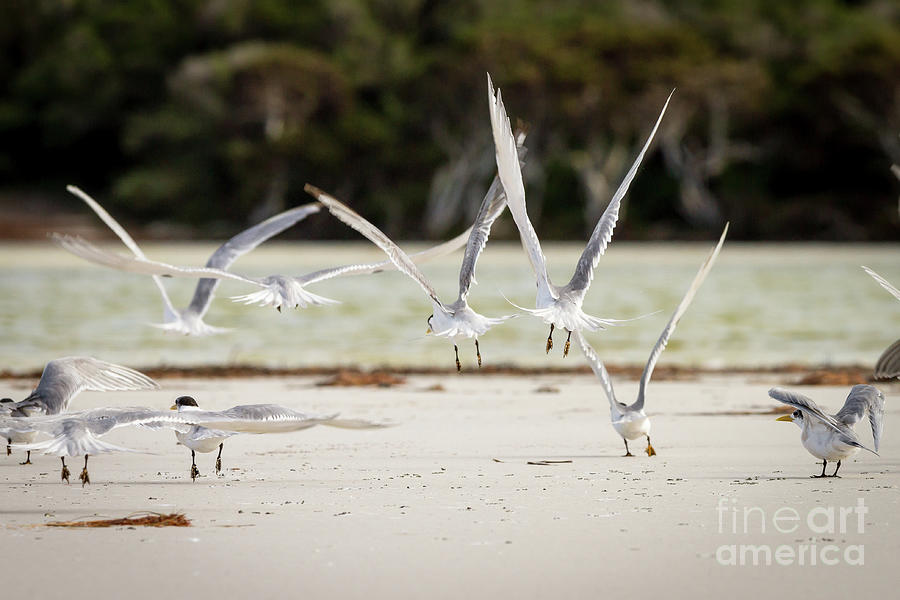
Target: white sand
[422,511]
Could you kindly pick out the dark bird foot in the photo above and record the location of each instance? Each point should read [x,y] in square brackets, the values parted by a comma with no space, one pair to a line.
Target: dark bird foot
[65,474]
[568,343]
[8,450]
[27,462]
[84,477]
[627,454]
[195,472]
[549,346]
[650,451]
[218,465]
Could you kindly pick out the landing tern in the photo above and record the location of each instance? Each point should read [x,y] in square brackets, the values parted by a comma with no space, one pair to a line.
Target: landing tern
[630,421]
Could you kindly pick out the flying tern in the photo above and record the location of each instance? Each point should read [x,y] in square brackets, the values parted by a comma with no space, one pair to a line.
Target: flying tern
[558,306]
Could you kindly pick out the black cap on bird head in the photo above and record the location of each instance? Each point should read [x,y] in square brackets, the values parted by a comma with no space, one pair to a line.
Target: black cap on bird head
[184,401]
[6,400]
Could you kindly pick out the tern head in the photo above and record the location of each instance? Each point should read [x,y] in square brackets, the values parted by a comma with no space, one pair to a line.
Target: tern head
[184,401]
[794,417]
[430,328]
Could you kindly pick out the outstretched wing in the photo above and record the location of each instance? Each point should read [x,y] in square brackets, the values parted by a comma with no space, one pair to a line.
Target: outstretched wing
[65,378]
[491,208]
[92,253]
[669,329]
[241,244]
[598,369]
[510,174]
[396,255]
[375,267]
[864,399]
[169,312]
[806,405]
[603,231]
[883,282]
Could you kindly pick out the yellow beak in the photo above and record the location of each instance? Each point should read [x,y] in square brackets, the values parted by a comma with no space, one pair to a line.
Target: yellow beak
[787,418]
[429,330]
[173,407]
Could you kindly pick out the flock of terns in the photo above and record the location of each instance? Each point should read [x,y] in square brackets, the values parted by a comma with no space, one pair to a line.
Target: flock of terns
[76,434]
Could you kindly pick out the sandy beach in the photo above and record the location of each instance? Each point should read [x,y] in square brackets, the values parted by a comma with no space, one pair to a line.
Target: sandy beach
[446,504]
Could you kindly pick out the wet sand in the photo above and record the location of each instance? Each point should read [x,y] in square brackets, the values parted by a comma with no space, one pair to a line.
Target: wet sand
[446,504]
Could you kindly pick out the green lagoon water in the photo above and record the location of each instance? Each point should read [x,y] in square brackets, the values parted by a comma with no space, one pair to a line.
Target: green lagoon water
[763,304]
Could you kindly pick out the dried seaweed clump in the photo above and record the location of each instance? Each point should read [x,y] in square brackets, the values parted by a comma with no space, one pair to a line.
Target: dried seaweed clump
[147,520]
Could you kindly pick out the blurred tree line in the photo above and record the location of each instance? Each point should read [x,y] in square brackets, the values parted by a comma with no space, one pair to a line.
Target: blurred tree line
[216,112]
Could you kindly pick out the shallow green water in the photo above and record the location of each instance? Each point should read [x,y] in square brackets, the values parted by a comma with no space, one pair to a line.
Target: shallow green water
[762,304]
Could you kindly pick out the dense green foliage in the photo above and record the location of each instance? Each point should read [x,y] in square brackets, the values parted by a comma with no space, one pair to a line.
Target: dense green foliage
[785,120]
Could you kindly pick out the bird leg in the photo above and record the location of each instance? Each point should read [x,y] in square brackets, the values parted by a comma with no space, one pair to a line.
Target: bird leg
[836,470]
[627,451]
[65,470]
[27,459]
[195,472]
[566,347]
[478,352]
[824,463]
[650,451]
[458,365]
[8,449]
[219,460]
[84,477]
[549,340]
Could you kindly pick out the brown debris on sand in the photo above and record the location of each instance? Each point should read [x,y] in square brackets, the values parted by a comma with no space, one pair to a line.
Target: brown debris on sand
[836,376]
[348,378]
[148,520]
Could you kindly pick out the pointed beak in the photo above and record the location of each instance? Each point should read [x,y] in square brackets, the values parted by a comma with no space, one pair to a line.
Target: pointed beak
[429,330]
[173,407]
[786,418]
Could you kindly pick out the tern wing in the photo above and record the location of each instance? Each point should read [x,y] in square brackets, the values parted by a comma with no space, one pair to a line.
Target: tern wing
[376,267]
[64,378]
[92,253]
[862,400]
[808,407]
[397,256]
[271,418]
[491,208]
[603,231]
[510,174]
[669,329]
[598,369]
[883,282]
[241,244]
[169,312]
[888,364]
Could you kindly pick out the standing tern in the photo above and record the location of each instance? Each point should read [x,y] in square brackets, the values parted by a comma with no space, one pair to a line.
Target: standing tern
[888,364]
[558,306]
[61,380]
[630,421]
[78,434]
[456,320]
[832,437]
[199,438]
[189,321]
